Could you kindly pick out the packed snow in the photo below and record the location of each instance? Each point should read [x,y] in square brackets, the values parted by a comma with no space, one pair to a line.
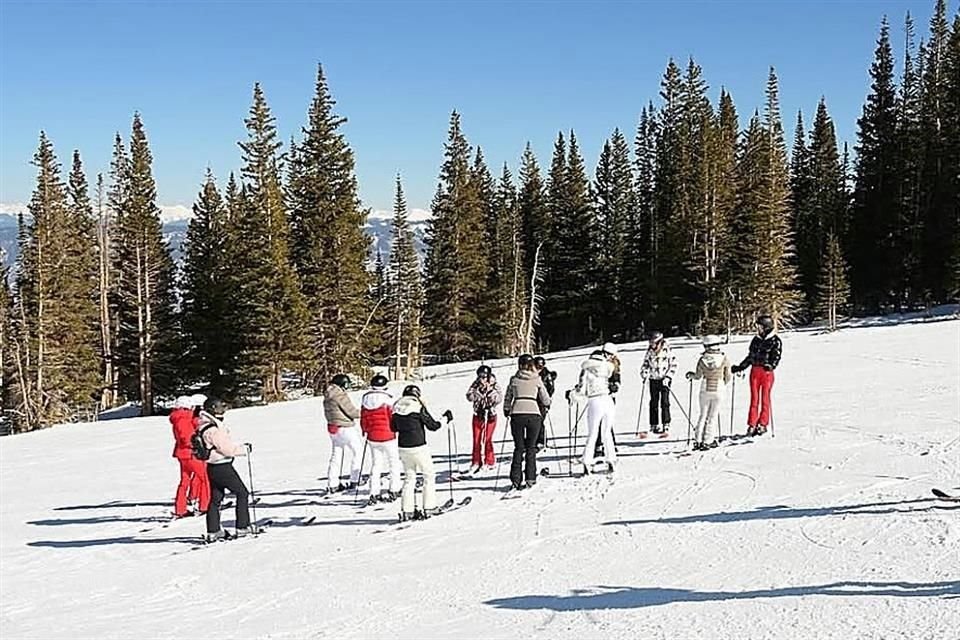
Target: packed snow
[828,529]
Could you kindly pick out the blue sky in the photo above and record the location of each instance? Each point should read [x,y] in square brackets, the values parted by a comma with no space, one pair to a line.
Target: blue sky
[516,72]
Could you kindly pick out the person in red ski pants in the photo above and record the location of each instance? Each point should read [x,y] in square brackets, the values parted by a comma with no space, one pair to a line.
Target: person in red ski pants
[763,358]
[193,473]
[485,395]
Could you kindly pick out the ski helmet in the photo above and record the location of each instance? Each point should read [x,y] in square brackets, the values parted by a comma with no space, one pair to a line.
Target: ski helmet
[656,338]
[484,371]
[183,402]
[610,349]
[215,407]
[198,400]
[765,322]
[341,380]
[412,390]
[540,362]
[525,361]
[378,381]
[711,341]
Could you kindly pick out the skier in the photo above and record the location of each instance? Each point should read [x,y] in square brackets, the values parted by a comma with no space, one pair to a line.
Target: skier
[763,358]
[344,435]
[549,382]
[713,368]
[220,471]
[610,352]
[485,395]
[194,486]
[594,386]
[376,409]
[410,421]
[525,403]
[659,364]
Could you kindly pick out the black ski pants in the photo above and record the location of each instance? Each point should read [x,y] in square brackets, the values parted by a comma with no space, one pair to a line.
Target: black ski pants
[659,402]
[223,477]
[525,428]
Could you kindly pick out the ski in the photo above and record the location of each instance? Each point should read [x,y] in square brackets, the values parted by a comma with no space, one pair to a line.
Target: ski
[943,495]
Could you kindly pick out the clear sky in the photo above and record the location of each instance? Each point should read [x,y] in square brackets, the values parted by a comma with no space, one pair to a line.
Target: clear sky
[516,71]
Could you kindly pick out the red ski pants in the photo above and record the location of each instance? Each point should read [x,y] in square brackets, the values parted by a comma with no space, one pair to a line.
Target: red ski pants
[761,382]
[193,481]
[483,438]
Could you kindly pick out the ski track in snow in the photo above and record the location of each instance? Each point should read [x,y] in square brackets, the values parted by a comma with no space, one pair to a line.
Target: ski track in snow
[826,530]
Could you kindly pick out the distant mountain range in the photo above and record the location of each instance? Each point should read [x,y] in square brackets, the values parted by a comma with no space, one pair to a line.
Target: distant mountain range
[175,232]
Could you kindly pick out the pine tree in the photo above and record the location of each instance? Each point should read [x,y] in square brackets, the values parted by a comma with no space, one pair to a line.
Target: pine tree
[406,289]
[805,223]
[908,287]
[646,246]
[952,157]
[833,290]
[147,340]
[109,226]
[722,199]
[532,204]
[209,350]
[510,292]
[328,246]
[456,264]
[490,323]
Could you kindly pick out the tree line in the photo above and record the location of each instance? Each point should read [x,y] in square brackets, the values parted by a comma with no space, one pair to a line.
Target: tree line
[697,226]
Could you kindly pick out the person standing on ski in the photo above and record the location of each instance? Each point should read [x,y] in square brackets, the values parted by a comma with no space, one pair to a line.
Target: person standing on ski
[763,358]
[344,435]
[526,403]
[485,395]
[220,471]
[193,473]
[549,382]
[594,387]
[410,421]
[610,352]
[659,365]
[713,368]
[376,410]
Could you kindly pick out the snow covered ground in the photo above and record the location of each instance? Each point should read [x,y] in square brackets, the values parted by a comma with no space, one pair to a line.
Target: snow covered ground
[827,530]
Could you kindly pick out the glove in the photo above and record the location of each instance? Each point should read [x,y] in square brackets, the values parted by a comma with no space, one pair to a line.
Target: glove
[614,387]
[736,369]
[666,382]
[248,446]
[689,375]
[448,415]
[767,367]
[567,395]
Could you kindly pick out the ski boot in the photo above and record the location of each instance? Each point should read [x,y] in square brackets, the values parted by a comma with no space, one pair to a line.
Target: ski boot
[406,516]
[219,536]
[372,500]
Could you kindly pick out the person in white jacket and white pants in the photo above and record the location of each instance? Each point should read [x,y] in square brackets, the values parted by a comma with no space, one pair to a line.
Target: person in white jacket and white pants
[594,388]
[713,368]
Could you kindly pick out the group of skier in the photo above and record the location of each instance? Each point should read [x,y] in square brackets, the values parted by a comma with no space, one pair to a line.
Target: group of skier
[394,430]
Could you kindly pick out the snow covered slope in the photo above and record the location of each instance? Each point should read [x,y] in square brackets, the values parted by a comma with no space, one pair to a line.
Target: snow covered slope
[828,530]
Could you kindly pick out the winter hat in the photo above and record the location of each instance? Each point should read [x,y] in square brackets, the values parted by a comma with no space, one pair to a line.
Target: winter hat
[198,400]
[610,349]
[711,341]
[379,381]
[183,402]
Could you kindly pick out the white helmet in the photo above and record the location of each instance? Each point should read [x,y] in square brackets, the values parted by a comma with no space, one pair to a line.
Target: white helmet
[183,402]
[711,341]
[610,349]
[198,400]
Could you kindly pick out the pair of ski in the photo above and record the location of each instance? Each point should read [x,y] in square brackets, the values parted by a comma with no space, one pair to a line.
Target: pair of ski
[943,495]
[446,507]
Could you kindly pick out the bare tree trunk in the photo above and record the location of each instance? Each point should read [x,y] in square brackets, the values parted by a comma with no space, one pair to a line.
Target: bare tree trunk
[148,332]
[534,315]
[107,395]
[141,333]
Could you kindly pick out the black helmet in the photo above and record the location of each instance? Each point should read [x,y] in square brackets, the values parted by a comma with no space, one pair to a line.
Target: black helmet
[412,390]
[342,380]
[484,370]
[656,337]
[525,360]
[215,407]
[539,362]
[379,380]
[765,322]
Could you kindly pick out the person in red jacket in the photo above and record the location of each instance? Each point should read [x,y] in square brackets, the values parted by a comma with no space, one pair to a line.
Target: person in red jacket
[376,409]
[193,473]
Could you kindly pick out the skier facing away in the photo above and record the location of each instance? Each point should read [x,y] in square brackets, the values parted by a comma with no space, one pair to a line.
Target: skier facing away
[194,484]
[594,386]
[376,410]
[525,403]
[485,395]
[550,384]
[220,470]
[659,365]
[344,435]
[410,421]
[713,368]
[763,358]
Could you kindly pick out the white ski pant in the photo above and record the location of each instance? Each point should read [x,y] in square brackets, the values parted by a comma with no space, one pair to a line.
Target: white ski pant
[418,460]
[600,416]
[385,454]
[345,440]
[710,402]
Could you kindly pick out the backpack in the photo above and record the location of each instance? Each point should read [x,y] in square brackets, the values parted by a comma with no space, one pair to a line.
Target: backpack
[198,445]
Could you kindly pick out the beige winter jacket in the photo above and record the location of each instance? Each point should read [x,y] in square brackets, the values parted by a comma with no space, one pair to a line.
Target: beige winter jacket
[339,408]
[526,395]
[217,438]
[713,368]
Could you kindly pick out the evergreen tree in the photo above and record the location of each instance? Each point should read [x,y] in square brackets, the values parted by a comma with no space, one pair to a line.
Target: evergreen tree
[646,232]
[110,272]
[510,289]
[532,204]
[209,348]
[406,288]
[952,157]
[147,346]
[490,323]
[456,264]
[833,290]
[329,247]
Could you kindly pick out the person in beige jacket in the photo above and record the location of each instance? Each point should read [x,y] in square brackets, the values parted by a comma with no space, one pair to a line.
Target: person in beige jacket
[345,435]
[525,403]
[713,368]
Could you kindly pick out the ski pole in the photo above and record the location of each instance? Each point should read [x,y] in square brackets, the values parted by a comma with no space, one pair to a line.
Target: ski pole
[643,389]
[503,445]
[733,385]
[570,435]
[253,497]
[456,448]
[553,436]
[689,411]
[450,458]
[363,456]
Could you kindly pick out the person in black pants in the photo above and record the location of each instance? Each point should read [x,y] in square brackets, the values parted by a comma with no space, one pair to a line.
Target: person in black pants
[659,365]
[220,471]
[549,382]
[525,403]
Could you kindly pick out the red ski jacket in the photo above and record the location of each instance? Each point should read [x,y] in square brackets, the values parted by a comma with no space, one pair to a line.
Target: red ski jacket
[376,409]
[184,424]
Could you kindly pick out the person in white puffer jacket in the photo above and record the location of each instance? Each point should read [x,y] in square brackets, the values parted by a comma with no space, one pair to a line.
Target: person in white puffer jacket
[713,368]
[594,387]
